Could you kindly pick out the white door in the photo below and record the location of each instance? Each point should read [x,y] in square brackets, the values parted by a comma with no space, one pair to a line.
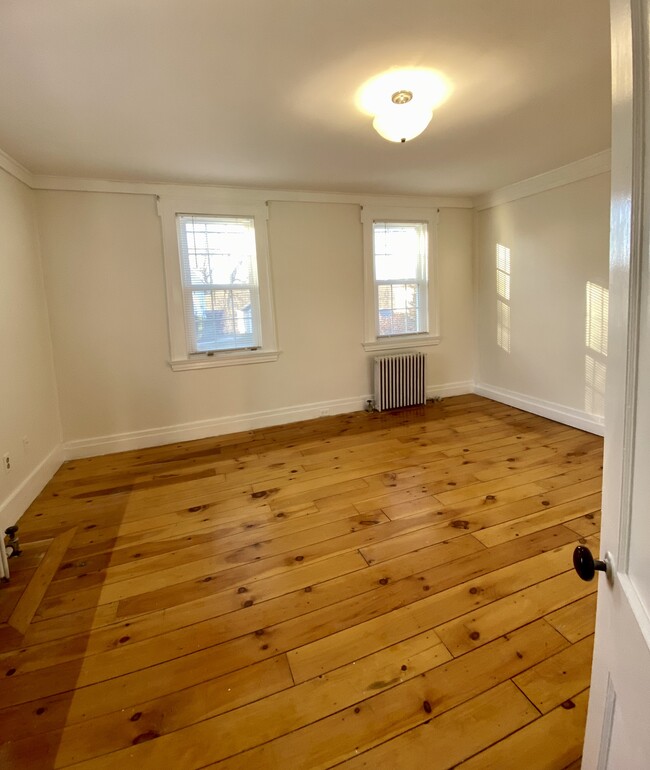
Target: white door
[618,723]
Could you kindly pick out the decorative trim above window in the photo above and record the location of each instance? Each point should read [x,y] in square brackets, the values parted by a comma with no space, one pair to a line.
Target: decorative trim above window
[400,266]
[217,272]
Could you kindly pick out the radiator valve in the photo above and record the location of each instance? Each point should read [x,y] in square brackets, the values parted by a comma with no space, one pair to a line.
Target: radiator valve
[12,543]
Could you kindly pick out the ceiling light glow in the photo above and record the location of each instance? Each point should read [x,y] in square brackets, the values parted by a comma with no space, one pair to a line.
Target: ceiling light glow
[402,101]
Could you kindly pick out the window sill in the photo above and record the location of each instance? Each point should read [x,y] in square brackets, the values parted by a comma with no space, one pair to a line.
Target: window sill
[401,343]
[225,359]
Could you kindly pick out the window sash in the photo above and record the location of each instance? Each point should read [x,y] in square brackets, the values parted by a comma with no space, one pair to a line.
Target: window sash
[398,319]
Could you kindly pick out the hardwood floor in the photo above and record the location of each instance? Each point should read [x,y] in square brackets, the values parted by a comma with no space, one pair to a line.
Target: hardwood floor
[387,591]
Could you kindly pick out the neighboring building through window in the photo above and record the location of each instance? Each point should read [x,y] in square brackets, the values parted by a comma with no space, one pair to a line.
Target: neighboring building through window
[399,250]
[218,284]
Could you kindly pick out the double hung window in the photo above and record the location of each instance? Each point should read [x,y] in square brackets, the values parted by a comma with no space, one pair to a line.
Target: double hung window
[218,284]
[400,278]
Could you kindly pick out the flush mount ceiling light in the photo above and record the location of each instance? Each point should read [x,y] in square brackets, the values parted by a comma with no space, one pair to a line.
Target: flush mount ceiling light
[403,119]
[402,101]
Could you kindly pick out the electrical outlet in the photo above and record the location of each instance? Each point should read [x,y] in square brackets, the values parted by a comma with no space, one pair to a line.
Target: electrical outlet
[6,462]
[324,412]
[26,444]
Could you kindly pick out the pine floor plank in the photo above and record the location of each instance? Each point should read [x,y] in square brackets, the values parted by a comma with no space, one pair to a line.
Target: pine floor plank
[264,559]
[475,628]
[399,706]
[292,708]
[28,603]
[483,514]
[268,541]
[576,620]
[184,533]
[106,637]
[550,683]
[550,743]
[576,470]
[324,588]
[121,729]
[586,525]
[557,515]
[445,741]
[41,631]
[390,589]
[489,578]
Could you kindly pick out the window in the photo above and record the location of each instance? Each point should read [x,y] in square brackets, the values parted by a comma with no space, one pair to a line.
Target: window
[219,270]
[400,278]
[400,252]
[218,289]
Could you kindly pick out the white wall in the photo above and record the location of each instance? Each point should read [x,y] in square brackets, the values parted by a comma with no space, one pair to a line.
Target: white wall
[104,275]
[558,242]
[28,400]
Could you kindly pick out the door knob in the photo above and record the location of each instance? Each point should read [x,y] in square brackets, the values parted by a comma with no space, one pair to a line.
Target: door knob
[585,564]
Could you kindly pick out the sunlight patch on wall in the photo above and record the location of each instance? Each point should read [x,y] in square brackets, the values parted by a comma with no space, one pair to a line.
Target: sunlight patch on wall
[503,325]
[596,320]
[503,297]
[595,377]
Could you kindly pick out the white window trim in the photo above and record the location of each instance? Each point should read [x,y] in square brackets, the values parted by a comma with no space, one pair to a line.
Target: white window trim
[373,343]
[180,358]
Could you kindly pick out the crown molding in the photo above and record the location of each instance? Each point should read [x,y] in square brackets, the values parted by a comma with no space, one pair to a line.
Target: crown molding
[11,166]
[593,165]
[77,184]
[223,193]
[600,163]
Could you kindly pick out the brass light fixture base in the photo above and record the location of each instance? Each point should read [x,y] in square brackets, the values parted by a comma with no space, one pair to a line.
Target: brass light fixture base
[401,97]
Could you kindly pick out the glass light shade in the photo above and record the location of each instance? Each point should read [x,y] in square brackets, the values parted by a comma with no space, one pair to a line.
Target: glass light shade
[401,122]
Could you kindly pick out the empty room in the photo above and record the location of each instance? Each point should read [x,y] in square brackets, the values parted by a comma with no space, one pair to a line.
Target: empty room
[308,460]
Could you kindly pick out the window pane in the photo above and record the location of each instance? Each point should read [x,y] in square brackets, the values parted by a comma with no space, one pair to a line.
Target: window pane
[219,251]
[222,319]
[400,250]
[388,267]
[384,297]
[398,309]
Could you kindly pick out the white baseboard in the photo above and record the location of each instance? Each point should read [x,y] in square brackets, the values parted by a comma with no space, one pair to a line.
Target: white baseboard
[13,507]
[564,414]
[450,389]
[121,442]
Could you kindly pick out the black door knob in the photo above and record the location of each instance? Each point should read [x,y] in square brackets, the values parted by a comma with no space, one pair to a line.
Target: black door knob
[585,564]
